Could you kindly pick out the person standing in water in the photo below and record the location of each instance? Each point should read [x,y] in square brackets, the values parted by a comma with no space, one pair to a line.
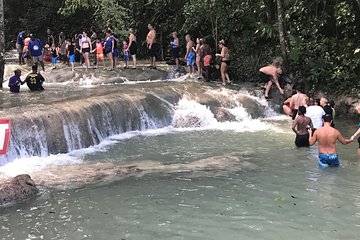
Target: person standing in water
[86,48]
[354,136]
[132,47]
[225,62]
[270,74]
[190,54]
[34,80]
[300,127]
[315,112]
[175,49]
[327,137]
[151,45]
[15,82]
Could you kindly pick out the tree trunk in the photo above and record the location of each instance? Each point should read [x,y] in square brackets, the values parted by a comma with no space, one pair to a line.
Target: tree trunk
[2,43]
[282,31]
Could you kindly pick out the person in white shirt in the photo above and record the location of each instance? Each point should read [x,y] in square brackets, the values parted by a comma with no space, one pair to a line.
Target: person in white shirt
[315,112]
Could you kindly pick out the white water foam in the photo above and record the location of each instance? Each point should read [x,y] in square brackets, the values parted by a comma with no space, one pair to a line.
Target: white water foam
[196,116]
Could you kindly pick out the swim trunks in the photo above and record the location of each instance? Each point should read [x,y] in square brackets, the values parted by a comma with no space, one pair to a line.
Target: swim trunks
[54,60]
[175,52]
[133,48]
[264,77]
[152,52]
[302,140]
[294,113]
[72,58]
[329,160]
[100,56]
[359,142]
[190,60]
[207,60]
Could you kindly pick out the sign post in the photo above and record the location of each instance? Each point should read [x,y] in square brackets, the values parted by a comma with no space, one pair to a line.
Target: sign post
[5,125]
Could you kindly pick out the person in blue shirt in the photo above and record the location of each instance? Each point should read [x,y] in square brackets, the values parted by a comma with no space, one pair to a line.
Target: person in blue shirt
[20,46]
[15,82]
[36,51]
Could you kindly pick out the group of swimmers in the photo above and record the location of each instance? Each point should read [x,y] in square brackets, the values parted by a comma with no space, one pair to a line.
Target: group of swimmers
[313,119]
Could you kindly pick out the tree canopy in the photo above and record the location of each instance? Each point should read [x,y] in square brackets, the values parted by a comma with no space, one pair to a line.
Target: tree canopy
[318,36]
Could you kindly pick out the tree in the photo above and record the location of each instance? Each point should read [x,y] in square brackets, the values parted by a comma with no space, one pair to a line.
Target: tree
[282,31]
[2,43]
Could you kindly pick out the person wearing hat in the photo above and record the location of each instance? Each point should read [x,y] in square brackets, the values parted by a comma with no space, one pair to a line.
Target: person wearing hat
[354,136]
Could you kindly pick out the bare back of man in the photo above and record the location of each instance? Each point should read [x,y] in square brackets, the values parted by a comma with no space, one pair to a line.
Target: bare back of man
[327,137]
[270,70]
[297,100]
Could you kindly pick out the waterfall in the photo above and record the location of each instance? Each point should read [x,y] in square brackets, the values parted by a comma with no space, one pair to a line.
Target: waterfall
[79,124]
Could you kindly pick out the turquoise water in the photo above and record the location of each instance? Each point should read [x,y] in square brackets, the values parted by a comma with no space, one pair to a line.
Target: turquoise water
[275,191]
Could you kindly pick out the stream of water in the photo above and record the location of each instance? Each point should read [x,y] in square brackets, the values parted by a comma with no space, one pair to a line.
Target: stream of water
[196,177]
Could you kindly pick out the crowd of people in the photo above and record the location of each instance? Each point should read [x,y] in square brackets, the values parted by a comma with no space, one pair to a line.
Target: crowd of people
[198,55]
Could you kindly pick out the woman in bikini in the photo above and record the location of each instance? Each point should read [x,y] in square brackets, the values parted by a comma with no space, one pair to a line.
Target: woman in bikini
[225,62]
[86,48]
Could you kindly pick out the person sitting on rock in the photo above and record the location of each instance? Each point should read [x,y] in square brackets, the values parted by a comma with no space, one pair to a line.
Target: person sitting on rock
[270,74]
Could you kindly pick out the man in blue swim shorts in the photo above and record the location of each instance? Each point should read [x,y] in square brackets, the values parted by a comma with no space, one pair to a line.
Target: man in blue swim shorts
[326,138]
[190,54]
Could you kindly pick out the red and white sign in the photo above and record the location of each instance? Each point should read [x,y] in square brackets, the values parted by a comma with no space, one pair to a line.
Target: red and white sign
[5,125]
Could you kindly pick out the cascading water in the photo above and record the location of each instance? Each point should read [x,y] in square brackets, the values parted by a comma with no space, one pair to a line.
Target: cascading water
[79,125]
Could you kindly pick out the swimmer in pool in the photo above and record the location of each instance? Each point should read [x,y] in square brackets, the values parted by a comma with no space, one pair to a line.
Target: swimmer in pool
[327,137]
[357,132]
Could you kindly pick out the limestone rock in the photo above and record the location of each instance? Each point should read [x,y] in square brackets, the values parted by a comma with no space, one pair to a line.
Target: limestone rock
[19,188]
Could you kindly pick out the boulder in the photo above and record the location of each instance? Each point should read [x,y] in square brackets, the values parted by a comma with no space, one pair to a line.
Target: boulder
[19,188]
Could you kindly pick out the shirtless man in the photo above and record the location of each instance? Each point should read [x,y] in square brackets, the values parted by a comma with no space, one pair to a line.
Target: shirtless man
[327,137]
[190,54]
[151,45]
[297,100]
[270,74]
